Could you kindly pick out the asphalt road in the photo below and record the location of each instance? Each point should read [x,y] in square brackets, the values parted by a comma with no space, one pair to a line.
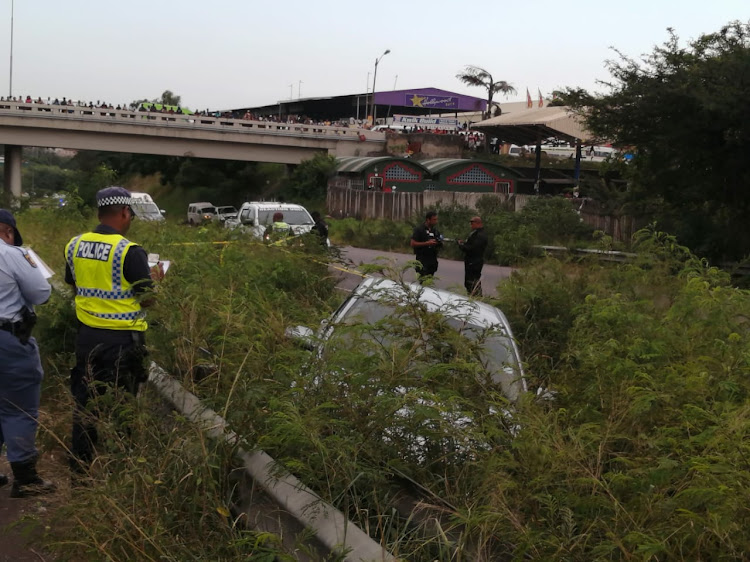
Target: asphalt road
[450,273]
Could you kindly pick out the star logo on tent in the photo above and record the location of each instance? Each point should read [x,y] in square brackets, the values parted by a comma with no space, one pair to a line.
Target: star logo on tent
[416,101]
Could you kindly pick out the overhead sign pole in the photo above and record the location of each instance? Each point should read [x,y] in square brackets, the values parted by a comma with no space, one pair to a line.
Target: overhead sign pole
[10,82]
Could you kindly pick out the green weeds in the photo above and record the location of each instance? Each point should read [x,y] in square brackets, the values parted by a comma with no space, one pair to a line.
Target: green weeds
[640,453]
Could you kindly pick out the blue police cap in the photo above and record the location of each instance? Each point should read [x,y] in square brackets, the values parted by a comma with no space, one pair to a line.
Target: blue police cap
[6,217]
[113,195]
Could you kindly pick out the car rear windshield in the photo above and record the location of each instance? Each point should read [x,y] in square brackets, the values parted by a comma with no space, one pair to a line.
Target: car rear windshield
[495,349]
[143,209]
[290,217]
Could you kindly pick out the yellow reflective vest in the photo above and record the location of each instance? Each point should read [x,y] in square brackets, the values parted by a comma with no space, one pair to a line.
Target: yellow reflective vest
[104,298]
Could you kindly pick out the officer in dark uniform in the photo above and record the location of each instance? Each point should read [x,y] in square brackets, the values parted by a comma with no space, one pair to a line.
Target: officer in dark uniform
[22,285]
[108,273]
[473,248]
[320,227]
[426,239]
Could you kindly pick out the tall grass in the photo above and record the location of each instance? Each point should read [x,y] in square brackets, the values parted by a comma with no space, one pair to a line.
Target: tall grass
[160,491]
[636,449]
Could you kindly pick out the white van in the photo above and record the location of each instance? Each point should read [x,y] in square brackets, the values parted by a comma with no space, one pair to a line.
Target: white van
[518,151]
[144,207]
[201,212]
[256,216]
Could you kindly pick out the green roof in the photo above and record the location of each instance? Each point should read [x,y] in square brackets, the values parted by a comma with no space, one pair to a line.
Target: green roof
[359,163]
[432,166]
[435,165]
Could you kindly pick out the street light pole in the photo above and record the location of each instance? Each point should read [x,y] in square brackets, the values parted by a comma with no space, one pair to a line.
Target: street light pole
[374,78]
[10,82]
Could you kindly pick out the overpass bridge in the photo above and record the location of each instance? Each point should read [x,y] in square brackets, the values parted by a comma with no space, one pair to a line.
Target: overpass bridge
[94,128]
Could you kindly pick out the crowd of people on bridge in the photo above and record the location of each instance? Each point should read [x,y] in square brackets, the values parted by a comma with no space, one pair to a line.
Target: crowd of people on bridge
[473,140]
[66,102]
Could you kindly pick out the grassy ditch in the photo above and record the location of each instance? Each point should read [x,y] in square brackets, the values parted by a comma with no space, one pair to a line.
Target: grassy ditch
[639,454]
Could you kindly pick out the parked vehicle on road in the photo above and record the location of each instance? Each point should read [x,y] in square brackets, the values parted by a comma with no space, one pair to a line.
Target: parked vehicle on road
[256,216]
[198,213]
[145,208]
[224,213]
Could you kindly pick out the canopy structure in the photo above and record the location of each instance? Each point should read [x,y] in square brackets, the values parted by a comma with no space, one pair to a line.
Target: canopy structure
[533,125]
[530,126]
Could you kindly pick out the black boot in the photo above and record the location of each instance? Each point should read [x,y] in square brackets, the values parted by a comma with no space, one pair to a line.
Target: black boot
[26,481]
[3,479]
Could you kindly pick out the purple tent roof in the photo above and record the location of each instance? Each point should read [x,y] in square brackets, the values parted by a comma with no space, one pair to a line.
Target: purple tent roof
[430,98]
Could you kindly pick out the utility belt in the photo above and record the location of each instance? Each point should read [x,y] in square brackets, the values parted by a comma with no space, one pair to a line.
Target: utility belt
[21,329]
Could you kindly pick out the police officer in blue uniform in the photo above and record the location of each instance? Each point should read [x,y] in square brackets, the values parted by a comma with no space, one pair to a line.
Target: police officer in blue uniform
[109,273]
[22,285]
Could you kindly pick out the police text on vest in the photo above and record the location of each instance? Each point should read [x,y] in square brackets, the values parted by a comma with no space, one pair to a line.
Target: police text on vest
[94,251]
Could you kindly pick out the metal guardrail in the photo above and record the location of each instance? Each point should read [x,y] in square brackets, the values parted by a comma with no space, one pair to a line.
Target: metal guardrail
[200,122]
[604,255]
[334,534]
[739,270]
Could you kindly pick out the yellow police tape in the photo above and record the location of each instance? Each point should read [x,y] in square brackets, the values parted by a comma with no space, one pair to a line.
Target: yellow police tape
[225,243]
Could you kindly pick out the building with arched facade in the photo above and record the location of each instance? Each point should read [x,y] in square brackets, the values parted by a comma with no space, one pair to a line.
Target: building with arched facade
[389,173]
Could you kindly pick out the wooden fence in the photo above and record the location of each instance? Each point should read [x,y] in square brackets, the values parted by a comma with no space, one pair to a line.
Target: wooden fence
[620,228]
[365,204]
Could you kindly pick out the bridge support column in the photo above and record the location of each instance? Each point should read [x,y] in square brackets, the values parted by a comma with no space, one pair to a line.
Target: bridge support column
[12,170]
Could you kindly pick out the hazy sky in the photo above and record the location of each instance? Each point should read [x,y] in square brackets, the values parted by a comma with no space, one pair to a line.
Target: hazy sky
[233,53]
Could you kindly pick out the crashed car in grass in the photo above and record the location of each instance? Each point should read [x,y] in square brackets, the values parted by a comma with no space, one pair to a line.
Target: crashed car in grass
[427,369]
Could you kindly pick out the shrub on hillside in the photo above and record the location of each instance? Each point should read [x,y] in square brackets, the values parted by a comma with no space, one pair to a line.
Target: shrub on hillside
[637,454]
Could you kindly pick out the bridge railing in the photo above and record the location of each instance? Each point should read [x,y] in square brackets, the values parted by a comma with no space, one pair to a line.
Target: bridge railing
[157,119]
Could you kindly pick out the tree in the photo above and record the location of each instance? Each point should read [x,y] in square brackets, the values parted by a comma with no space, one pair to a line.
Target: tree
[169,98]
[683,112]
[309,180]
[476,76]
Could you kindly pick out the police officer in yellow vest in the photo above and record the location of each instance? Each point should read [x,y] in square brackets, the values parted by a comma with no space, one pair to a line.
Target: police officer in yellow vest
[108,273]
[279,229]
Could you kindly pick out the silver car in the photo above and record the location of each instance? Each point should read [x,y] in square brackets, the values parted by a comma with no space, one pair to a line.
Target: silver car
[421,348]
[376,299]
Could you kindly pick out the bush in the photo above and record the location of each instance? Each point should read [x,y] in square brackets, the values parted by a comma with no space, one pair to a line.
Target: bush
[375,234]
[638,450]
[637,456]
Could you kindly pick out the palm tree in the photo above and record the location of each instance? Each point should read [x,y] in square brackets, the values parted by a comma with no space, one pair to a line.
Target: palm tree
[476,76]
